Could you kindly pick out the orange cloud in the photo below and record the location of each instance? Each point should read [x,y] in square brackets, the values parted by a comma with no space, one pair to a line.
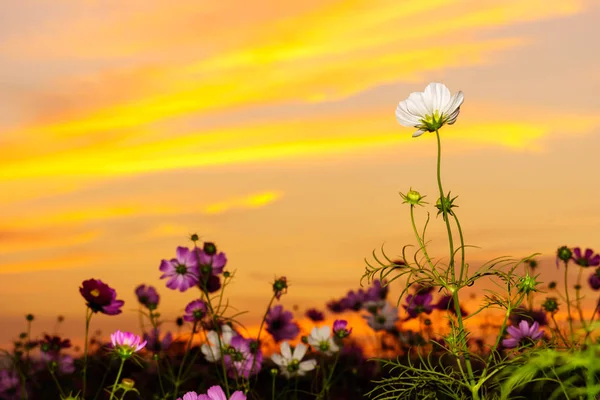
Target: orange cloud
[73,259]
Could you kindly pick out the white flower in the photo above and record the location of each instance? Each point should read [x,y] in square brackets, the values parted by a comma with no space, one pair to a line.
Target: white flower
[289,363]
[212,350]
[320,339]
[383,319]
[429,110]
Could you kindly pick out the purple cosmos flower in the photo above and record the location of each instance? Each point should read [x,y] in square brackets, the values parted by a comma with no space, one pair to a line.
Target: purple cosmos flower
[588,259]
[417,304]
[210,264]
[354,300]
[64,363]
[315,315]
[594,280]
[213,284]
[446,303]
[523,335]
[195,311]
[100,297]
[9,384]
[155,344]
[147,296]
[280,324]
[377,292]
[53,344]
[126,343]
[340,328]
[335,306]
[213,393]
[181,271]
[240,360]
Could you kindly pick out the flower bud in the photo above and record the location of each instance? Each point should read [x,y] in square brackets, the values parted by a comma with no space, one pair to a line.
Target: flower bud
[226,274]
[209,248]
[194,237]
[128,383]
[527,284]
[29,317]
[280,287]
[550,305]
[563,253]
[274,372]
[413,198]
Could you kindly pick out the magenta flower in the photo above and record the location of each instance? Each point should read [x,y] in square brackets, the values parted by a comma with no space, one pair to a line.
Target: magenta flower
[155,343]
[594,280]
[53,344]
[417,304]
[147,296]
[9,382]
[240,360]
[213,393]
[354,300]
[335,306]
[446,303]
[100,297]
[126,343]
[340,328]
[181,271]
[376,292]
[315,315]
[588,259]
[211,264]
[195,311]
[213,284]
[523,335]
[280,324]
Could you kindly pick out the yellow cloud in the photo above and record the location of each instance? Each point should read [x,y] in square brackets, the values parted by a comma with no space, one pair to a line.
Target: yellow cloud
[44,239]
[252,201]
[71,260]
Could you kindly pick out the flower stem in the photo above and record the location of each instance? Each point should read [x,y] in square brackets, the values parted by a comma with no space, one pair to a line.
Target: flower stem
[62,394]
[262,324]
[186,351]
[578,299]
[112,393]
[444,205]
[88,318]
[572,335]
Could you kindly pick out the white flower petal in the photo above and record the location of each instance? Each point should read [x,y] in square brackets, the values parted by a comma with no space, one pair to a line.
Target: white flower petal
[333,347]
[213,337]
[404,117]
[324,332]
[286,352]
[227,334]
[418,133]
[307,365]
[299,351]
[416,105]
[279,360]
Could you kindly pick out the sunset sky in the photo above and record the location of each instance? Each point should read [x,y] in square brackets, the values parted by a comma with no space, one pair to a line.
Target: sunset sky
[268,127]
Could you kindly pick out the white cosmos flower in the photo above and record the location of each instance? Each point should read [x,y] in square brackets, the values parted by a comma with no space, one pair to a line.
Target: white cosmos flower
[320,339]
[211,350]
[384,319]
[290,362]
[429,110]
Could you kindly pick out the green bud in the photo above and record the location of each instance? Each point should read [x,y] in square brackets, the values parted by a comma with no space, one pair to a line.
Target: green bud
[563,253]
[194,237]
[29,317]
[527,284]
[413,198]
[552,285]
[550,305]
[226,274]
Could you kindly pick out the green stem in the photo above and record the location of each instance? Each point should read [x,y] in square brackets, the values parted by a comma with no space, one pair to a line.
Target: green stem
[187,348]
[62,394]
[112,393]
[274,376]
[462,250]
[422,246]
[327,381]
[160,382]
[88,318]
[558,330]
[572,335]
[262,323]
[444,205]
[578,299]
[454,291]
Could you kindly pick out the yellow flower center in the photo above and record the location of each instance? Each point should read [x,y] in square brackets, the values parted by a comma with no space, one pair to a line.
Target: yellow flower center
[95,292]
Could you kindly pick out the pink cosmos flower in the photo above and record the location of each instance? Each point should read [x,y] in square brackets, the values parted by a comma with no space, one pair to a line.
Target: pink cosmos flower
[147,296]
[280,324]
[588,259]
[126,343]
[181,271]
[214,393]
[523,335]
[100,297]
[340,328]
[195,311]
